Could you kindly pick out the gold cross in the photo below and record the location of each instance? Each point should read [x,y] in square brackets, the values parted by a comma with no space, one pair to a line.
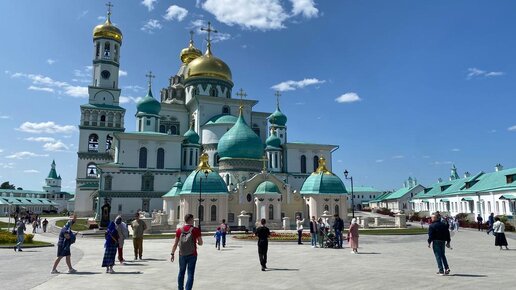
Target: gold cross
[191,36]
[109,5]
[150,76]
[241,94]
[209,30]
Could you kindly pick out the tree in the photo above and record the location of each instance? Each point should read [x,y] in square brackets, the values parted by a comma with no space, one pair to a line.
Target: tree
[7,185]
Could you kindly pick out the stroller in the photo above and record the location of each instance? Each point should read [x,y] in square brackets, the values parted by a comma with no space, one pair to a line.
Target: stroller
[330,241]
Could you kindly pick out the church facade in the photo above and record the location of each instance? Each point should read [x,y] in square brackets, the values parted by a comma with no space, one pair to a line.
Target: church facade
[197,149]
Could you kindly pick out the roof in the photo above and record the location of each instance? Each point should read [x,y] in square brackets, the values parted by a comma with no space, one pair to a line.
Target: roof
[267,187]
[381,197]
[358,189]
[103,106]
[402,191]
[175,190]
[148,104]
[26,201]
[278,118]
[322,183]
[222,119]
[240,142]
[495,181]
[211,185]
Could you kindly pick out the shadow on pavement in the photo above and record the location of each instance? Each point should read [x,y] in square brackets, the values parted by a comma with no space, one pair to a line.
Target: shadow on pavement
[126,273]
[281,269]
[133,264]
[368,253]
[85,273]
[152,259]
[469,275]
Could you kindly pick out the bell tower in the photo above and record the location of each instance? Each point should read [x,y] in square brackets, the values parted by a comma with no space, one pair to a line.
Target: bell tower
[101,117]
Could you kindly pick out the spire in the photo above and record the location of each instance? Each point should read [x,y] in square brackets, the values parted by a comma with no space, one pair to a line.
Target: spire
[150,76]
[53,173]
[277,94]
[209,29]
[242,95]
[454,175]
[109,6]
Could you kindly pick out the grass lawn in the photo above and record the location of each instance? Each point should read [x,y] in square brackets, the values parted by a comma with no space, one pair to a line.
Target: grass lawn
[4,224]
[80,224]
[33,244]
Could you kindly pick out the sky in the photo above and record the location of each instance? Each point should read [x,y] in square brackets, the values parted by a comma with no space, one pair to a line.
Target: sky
[403,87]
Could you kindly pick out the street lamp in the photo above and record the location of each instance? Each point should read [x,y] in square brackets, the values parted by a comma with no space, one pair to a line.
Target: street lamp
[206,173]
[352,194]
[9,221]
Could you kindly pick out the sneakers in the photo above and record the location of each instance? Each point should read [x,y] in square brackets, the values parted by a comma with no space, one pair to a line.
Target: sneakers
[55,272]
[447,272]
[72,271]
[440,273]
[14,248]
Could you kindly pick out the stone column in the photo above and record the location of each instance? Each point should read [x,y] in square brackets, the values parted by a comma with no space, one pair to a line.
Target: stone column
[243,219]
[400,221]
[376,221]
[365,222]
[286,223]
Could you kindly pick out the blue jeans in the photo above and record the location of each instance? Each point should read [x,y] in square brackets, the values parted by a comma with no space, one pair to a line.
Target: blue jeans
[438,247]
[184,263]
[224,240]
[20,239]
[314,239]
[338,235]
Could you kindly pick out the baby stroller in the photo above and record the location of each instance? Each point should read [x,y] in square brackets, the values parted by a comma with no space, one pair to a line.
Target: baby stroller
[330,241]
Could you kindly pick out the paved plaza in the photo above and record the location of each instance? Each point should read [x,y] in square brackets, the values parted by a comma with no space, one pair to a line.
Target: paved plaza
[388,262]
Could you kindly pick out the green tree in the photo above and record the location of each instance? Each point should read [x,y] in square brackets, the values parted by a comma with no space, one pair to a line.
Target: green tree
[7,185]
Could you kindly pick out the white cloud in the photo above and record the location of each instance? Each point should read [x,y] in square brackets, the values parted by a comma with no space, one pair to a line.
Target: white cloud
[134,88]
[101,17]
[55,146]
[478,73]
[8,165]
[82,14]
[175,12]
[441,163]
[455,150]
[305,7]
[5,117]
[379,160]
[122,73]
[425,156]
[248,14]
[293,85]
[40,139]
[24,155]
[31,171]
[149,4]
[76,91]
[398,157]
[151,26]
[51,61]
[512,128]
[128,99]
[46,127]
[348,98]
[1,150]
[42,89]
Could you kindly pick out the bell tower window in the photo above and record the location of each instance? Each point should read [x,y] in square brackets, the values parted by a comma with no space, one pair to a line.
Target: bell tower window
[91,170]
[93,143]
[213,92]
[109,142]
[97,50]
[107,50]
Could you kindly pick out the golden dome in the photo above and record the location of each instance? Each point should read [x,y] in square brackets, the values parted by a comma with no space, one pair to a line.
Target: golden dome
[209,66]
[107,30]
[190,53]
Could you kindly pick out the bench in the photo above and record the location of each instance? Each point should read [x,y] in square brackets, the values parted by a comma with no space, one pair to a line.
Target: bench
[238,229]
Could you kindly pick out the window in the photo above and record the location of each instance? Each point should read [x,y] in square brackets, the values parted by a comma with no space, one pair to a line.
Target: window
[303,164]
[498,207]
[93,143]
[256,129]
[147,182]
[143,158]
[504,209]
[326,207]
[109,142]
[249,197]
[184,157]
[103,118]
[97,50]
[271,212]
[227,179]
[213,92]
[120,207]
[276,160]
[178,214]
[231,217]
[213,213]
[191,157]
[201,213]
[148,121]
[217,159]
[316,162]
[108,181]
[91,170]
[299,214]
[226,110]
[162,129]
[107,49]
[140,125]
[160,163]
[116,52]
[173,130]
[336,209]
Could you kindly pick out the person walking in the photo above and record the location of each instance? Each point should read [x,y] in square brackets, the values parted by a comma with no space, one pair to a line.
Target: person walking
[353,236]
[45,224]
[66,239]
[321,227]
[20,235]
[224,229]
[34,226]
[480,222]
[499,232]
[218,236]
[338,226]
[313,232]
[138,227]
[263,233]
[438,238]
[490,222]
[299,227]
[187,238]
[110,247]
[123,233]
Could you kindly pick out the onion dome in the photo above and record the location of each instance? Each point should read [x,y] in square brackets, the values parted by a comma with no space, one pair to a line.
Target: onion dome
[148,105]
[210,66]
[212,183]
[107,30]
[190,53]
[322,181]
[175,190]
[278,118]
[273,142]
[222,119]
[191,137]
[267,187]
[240,142]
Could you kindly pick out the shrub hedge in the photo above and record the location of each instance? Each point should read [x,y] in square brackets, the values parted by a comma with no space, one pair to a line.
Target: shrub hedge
[9,238]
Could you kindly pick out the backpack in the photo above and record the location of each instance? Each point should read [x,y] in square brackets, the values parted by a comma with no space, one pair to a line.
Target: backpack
[186,242]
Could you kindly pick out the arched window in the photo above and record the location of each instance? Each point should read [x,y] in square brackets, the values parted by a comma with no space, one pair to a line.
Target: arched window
[178,214]
[303,164]
[191,157]
[143,158]
[256,129]
[184,157]
[226,110]
[326,207]
[173,130]
[116,52]
[97,50]
[160,162]
[93,143]
[227,179]
[213,213]
[147,182]
[213,92]
[336,209]
[108,181]
[109,142]
[103,118]
[107,49]
[91,170]
[162,129]
[217,158]
[195,92]
[271,212]
[201,213]
[316,162]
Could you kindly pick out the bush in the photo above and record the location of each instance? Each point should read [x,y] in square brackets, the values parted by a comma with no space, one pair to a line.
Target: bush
[9,238]
[414,217]
[384,211]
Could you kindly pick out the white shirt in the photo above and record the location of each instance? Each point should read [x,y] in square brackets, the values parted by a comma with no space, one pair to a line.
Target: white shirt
[299,224]
[499,227]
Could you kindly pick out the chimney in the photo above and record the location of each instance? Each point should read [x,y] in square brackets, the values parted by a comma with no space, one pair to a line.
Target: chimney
[467,174]
[498,167]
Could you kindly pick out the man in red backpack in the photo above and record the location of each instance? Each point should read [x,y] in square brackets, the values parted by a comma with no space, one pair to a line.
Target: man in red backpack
[187,238]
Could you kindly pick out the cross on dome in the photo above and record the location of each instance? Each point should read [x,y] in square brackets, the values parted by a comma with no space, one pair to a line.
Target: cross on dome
[242,95]
[277,94]
[150,76]
[109,6]
[209,29]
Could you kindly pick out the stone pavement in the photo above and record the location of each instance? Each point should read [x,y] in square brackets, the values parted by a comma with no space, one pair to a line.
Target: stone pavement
[388,262]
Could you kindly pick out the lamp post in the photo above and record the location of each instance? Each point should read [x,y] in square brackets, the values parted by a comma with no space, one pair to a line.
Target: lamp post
[9,221]
[352,193]
[206,173]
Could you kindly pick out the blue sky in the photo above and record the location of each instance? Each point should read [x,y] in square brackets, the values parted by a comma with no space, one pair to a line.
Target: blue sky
[422,84]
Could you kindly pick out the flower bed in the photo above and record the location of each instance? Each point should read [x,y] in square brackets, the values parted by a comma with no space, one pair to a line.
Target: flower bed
[275,236]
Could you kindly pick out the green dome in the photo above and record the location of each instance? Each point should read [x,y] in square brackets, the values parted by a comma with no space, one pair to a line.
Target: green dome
[211,185]
[240,142]
[222,119]
[273,142]
[191,137]
[175,190]
[148,105]
[267,187]
[278,118]
[322,181]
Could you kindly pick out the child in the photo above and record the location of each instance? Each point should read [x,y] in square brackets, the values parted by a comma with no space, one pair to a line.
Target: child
[218,236]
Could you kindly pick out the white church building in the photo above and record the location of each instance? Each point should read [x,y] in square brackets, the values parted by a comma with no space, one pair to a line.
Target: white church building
[196,150]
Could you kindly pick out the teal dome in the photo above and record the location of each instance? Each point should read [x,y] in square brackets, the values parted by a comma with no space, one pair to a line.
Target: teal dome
[240,142]
[191,137]
[211,185]
[273,142]
[278,118]
[222,119]
[322,181]
[148,105]
[175,190]
[267,187]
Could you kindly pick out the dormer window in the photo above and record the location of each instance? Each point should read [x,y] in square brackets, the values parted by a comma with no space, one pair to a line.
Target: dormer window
[510,178]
